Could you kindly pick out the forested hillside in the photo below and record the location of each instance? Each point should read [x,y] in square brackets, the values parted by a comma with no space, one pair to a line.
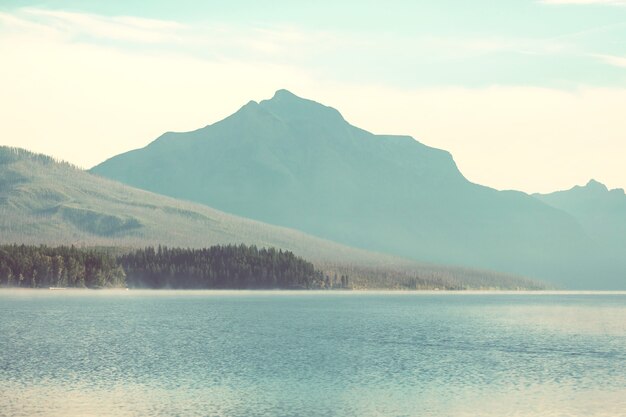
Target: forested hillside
[44,201]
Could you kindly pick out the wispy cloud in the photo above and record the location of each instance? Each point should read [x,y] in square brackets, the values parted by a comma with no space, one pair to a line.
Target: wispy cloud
[329,53]
[288,43]
[410,61]
[587,2]
[616,61]
[208,41]
[132,29]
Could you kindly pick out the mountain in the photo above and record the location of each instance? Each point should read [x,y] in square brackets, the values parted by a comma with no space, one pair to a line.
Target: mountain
[299,164]
[602,213]
[43,201]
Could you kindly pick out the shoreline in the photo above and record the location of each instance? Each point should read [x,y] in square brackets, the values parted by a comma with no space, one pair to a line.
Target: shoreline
[303,292]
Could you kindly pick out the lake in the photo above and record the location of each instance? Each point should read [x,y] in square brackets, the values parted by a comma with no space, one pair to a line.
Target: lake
[220,353]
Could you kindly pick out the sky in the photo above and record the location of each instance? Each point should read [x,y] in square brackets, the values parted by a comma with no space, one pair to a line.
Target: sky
[525,94]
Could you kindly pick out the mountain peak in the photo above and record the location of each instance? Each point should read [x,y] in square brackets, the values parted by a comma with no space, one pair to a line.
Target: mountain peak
[288,106]
[596,186]
[285,94]
[250,108]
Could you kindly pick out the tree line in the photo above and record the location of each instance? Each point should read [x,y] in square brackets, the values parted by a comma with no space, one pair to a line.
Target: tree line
[62,266]
[220,267]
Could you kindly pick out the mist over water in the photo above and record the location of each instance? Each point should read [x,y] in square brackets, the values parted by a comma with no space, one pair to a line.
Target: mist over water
[169,353]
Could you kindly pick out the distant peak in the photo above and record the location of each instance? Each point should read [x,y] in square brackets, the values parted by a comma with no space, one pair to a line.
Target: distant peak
[289,106]
[282,93]
[250,107]
[251,103]
[596,185]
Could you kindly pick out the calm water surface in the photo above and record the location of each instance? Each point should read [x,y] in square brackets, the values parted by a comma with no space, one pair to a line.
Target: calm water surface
[177,353]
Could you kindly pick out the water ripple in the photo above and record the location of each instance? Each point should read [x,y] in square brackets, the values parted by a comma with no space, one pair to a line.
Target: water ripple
[266,354]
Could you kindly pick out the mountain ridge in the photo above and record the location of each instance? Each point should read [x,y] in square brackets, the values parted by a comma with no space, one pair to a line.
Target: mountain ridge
[299,164]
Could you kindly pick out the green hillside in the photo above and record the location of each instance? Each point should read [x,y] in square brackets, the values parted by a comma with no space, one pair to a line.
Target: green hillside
[296,163]
[43,201]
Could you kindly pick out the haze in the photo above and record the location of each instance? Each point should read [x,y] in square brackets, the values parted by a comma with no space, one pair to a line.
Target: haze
[526,95]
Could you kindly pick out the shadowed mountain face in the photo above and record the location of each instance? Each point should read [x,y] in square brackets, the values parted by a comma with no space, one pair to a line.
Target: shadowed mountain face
[296,163]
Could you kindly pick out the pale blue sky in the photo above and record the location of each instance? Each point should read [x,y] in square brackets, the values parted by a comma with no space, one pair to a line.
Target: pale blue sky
[501,84]
[423,43]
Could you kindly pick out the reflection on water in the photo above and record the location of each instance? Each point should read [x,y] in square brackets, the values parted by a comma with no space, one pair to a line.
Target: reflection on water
[301,354]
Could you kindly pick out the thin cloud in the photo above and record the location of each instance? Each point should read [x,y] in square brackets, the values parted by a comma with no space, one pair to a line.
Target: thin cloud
[616,61]
[122,28]
[286,44]
[587,2]
[214,42]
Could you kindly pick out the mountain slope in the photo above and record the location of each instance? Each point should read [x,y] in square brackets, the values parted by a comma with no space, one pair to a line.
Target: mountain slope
[47,202]
[296,163]
[44,201]
[602,213]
